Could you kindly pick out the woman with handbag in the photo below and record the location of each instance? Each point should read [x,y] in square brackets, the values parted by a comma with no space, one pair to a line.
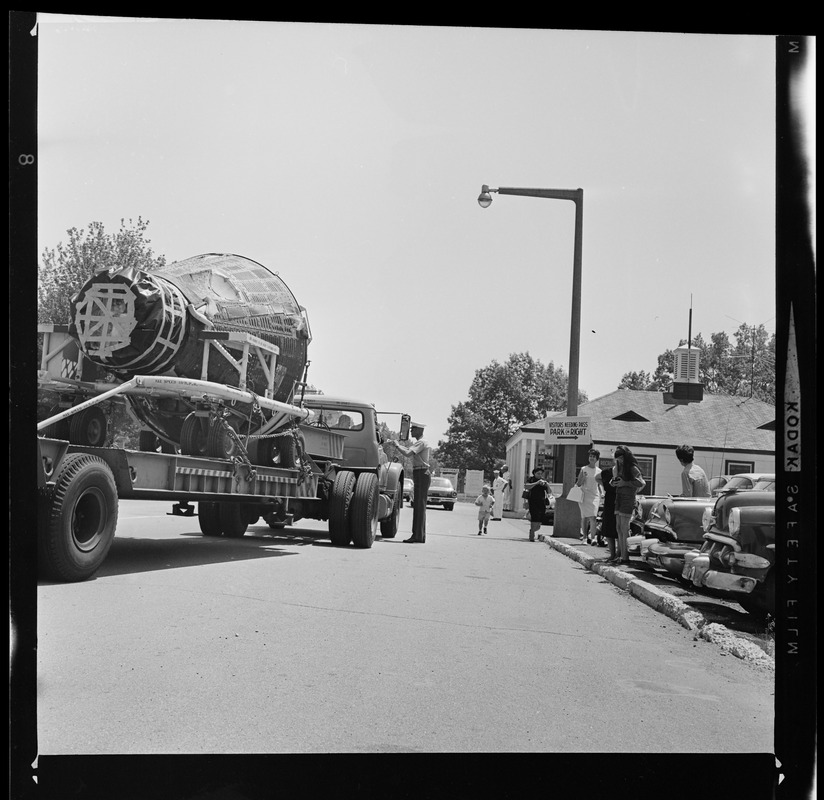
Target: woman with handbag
[537,491]
[627,481]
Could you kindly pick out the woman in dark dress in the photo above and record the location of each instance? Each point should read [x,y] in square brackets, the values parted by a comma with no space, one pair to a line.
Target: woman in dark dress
[537,490]
[608,529]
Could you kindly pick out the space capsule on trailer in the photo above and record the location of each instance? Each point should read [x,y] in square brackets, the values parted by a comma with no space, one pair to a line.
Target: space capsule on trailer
[187,319]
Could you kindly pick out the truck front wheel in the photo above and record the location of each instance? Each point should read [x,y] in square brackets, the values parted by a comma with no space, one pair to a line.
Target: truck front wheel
[77,526]
[340,508]
[365,510]
[389,526]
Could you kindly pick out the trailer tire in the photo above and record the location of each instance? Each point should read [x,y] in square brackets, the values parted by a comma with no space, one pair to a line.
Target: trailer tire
[88,427]
[78,524]
[389,526]
[364,516]
[147,441]
[340,508]
[209,519]
[193,435]
[250,513]
[219,442]
[57,430]
[279,451]
[232,520]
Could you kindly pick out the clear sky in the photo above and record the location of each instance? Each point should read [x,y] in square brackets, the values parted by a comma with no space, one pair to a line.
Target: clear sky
[349,159]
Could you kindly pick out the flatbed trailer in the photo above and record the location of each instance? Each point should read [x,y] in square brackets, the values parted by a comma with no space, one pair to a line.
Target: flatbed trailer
[79,485]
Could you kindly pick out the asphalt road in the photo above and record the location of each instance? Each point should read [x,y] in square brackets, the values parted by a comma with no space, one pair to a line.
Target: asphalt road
[280,643]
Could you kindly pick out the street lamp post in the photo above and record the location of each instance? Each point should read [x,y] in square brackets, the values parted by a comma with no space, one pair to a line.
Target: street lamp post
[567,515]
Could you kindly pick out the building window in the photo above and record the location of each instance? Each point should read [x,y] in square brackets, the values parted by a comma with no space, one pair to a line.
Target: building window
[737,467]
[647,466]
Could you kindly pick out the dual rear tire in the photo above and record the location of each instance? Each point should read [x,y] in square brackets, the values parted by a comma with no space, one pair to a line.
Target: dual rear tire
[353,509]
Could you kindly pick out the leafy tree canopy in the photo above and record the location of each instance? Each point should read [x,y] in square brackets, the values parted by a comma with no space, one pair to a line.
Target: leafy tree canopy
[743,367]
[68,266]
[502,398]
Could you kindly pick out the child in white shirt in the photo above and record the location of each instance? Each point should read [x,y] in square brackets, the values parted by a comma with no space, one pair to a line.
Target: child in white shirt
[485,500]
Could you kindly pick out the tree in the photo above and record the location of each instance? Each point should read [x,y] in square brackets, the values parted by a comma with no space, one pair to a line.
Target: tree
[636,380]
[67,267]
[502,398]
[744,368]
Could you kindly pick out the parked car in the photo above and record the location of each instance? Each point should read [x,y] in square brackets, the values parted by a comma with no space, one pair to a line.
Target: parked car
[643,506]
[743,481]
[717,482]
[673,528]
[441,492]
[737,557]
[764,485]
[408,490]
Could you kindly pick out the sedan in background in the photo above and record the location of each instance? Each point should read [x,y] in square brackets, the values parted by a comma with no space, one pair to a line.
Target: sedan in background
[742,482]
[442,493]
[408,490]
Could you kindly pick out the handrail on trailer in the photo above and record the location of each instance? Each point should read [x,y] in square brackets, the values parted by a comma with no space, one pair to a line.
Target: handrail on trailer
[163,385]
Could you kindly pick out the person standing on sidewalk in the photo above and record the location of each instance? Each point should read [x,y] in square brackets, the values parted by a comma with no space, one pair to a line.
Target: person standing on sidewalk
[608,529]
[627,480]
[419,452]
[486,502]
[537,490]
[500,486]
[589,481]
[694,481]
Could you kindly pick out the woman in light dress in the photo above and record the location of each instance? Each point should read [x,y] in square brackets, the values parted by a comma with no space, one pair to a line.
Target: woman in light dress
[589,481]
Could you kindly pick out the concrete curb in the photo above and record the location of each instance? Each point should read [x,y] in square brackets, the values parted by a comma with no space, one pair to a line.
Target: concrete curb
[665,603]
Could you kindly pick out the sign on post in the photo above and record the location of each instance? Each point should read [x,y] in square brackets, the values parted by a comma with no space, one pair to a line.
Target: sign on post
[567,430]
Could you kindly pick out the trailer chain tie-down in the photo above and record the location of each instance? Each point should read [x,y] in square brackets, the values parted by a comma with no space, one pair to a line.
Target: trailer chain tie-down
[304,470]
[242,459]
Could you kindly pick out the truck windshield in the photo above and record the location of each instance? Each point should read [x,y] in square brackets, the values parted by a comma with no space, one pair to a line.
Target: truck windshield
[338,419]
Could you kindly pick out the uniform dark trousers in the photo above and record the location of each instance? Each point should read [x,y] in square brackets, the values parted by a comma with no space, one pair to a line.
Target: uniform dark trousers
[420,481]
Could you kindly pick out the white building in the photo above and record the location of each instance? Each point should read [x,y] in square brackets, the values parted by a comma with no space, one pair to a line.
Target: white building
[729,435]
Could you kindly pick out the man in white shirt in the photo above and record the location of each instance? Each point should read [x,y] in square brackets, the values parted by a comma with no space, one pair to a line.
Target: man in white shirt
[421,477]
[694,481]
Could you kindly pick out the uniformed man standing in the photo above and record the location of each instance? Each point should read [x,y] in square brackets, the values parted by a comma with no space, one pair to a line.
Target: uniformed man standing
[421,476]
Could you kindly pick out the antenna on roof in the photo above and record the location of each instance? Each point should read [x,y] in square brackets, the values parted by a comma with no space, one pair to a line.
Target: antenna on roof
[689,329]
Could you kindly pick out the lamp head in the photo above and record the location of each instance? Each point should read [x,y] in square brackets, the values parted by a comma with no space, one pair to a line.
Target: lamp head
[484,198]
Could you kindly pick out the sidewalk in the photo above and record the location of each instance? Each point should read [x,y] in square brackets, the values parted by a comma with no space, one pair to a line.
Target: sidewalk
[655,590]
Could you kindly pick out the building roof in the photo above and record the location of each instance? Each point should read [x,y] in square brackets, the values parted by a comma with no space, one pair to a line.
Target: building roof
[629,416]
